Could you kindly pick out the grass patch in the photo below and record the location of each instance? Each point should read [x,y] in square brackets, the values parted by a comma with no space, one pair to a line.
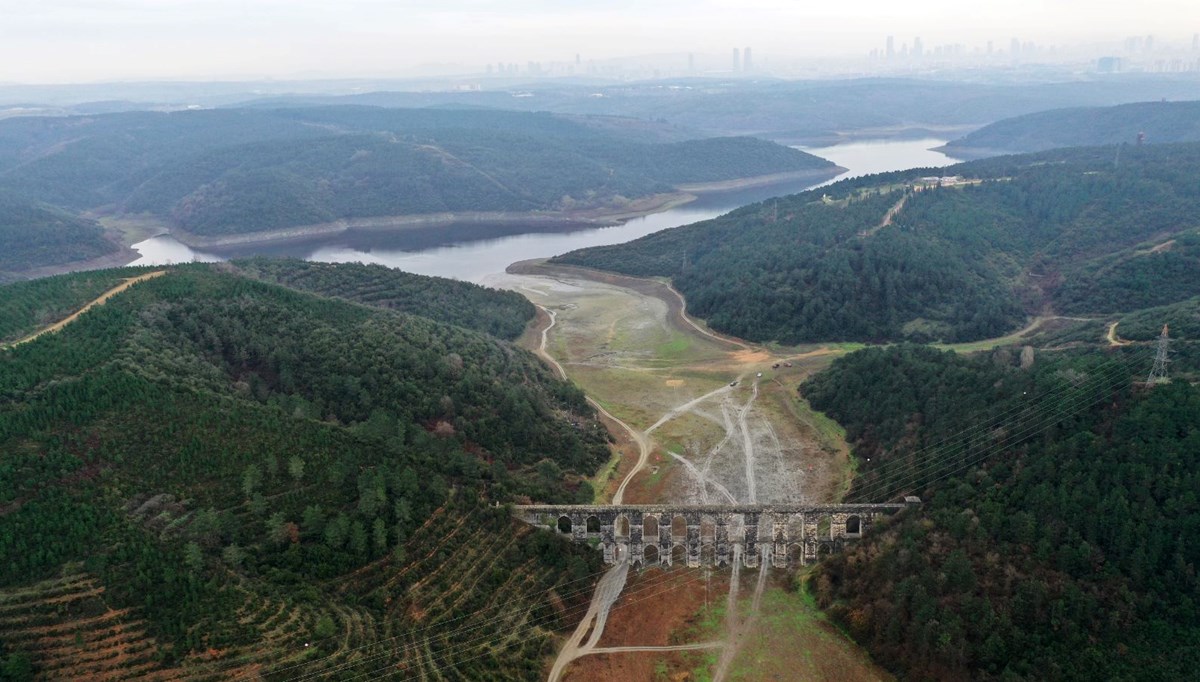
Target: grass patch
[673,349]
[134,229]
[830,433]
[707,624]
[604,475]
[793,639]
[664,467]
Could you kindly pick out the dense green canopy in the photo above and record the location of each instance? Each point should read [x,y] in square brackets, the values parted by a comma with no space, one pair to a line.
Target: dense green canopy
[209,446]
[1063,553]
[1071,228]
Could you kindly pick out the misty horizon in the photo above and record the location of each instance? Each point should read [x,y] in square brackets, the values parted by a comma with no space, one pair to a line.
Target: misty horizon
[137,40]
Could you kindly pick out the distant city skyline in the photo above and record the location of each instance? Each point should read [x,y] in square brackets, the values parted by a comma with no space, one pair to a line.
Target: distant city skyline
[96,40]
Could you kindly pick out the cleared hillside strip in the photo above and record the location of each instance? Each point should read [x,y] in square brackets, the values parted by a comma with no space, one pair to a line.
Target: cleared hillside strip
[99,300]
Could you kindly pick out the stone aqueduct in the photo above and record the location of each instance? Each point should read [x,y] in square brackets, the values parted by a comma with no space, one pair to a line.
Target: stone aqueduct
[712,535]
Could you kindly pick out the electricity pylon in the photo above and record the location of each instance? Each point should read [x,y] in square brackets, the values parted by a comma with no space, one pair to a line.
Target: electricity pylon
[1158,373]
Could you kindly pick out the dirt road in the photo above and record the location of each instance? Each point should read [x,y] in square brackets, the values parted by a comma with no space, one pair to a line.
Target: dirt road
[748,446]
[887,217]
[631,344]
[1113,339]
[99,300]
[683,316]
[672,647]
[740,628]
[607,591]
[638,437]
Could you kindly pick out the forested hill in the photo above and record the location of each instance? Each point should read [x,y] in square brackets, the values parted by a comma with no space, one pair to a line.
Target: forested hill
[1160,122]
[500,313]
[1087,231]
[34,234]
[223,172]
[215,476]
[1067,553]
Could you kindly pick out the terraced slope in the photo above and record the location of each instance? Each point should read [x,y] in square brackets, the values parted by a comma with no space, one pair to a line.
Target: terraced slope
[210,476]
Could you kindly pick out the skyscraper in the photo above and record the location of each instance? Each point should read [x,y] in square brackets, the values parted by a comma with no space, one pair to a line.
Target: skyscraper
[747,64]
[918,47]
[891,47]
[691,62]
[737,60]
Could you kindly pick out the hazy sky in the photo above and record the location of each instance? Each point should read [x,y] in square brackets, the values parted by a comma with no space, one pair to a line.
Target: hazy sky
[88,40]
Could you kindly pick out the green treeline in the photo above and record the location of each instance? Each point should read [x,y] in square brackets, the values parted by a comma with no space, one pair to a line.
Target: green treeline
[28,306]
[1183,318]
[1159,123]
[33,234]
[1067,554]
[206,443]
[500,313]
[1070,228]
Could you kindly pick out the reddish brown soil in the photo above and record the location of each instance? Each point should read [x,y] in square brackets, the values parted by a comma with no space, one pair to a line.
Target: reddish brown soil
[655,607]
[626,667]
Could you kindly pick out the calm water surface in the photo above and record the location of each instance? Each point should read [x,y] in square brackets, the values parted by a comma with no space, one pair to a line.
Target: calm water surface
[474,251]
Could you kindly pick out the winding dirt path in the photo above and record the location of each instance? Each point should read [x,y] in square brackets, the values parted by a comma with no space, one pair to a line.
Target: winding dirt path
[99,300]
[687,407]
[739,629]
[887,217]
[638,437]
[606,594]
[671,647]
[692,323]
[748,445]
[1113,339]
[703,480]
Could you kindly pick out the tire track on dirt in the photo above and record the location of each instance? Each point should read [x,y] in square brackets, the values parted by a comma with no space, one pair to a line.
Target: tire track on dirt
[748,446]
[607,592]
[638,437]
[670,647]
[704,480]
[739,629]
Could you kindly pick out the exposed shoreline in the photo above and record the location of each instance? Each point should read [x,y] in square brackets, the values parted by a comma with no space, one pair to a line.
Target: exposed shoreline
[761,180]
[604,216]
[121,257]
[960,153]
[598,217]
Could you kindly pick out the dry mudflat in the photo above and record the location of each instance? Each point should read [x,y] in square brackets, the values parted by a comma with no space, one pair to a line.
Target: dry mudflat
[665,379]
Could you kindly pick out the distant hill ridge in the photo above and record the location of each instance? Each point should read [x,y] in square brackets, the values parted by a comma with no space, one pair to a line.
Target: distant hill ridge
[238,171]
[1160,122]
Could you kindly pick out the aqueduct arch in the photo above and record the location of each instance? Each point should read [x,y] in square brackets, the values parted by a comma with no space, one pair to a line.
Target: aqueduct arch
[713,534]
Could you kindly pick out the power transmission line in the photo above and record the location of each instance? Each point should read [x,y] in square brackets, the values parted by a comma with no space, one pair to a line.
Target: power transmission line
[943,453]
[1158,373]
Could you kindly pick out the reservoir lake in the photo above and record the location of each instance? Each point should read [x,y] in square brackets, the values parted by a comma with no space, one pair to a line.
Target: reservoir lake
[472,251]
